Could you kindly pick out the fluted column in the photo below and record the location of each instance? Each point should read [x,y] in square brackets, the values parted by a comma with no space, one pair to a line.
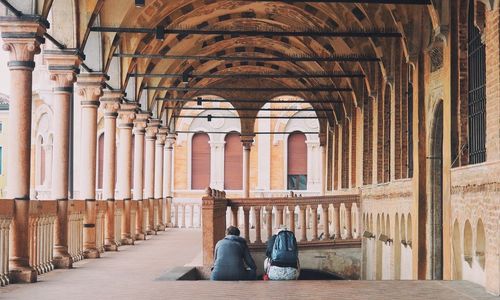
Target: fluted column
[158,188]
[22,40]
[247,145]
[140,124]
[62,66]
[126,116]
[89,87]
[151,131]
[110,103]
[167,177]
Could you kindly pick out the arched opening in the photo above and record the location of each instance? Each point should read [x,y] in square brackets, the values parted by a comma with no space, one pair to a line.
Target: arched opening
[43,162]
[233,162]
[457,252]
[468,243]
[297,161]
[435,207]
[100,160]
[200,161]
[480,244]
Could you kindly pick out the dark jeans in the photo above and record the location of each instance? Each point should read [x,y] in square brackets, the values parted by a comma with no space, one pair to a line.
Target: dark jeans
[248,274]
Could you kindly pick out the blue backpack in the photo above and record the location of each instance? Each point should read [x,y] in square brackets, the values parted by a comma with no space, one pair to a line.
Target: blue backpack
[285,251]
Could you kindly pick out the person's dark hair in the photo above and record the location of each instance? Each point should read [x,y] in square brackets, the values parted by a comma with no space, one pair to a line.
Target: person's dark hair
[231,230]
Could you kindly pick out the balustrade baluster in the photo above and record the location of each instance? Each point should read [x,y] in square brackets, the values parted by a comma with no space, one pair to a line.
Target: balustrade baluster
[176,215]
[269,221]
[258,236]
[348,217]
[246,223]
[314,216]
[183,219]
[291,217]
[279,217]
[303,226]
[336,221]
[234,214]
[326,223]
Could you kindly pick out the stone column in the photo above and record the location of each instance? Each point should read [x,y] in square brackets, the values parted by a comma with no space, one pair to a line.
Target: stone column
[126,116]
[140,123]
[348,216]
[89,87]
[158,175]
[110,103]
[247,145]
[167,177]
[22,40]
[63,67]
[151,131]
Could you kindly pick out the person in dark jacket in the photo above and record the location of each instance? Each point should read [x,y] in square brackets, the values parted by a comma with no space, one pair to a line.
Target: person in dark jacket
[231,256]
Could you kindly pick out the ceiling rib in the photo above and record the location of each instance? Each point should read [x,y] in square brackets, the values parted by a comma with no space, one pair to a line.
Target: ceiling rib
[253,75]
[281,101]
[248,89]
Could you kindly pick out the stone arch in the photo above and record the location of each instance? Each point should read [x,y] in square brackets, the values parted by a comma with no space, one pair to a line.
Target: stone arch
[468,242]
[434,222]
[480,244]
[457,252]
[403,230]
[378,250]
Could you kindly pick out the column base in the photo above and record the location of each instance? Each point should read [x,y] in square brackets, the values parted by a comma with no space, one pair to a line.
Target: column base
[23,275]
[140,236]
[111,247]
[127,241]
[63,262]
[151,232]
[161,227]
[91,253]
[170,225]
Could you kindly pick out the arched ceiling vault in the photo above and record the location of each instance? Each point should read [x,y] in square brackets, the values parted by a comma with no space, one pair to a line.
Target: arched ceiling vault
[248,15]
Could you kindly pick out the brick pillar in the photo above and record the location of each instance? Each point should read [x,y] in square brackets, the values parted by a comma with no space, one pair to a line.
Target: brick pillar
[213,224]
[22,40]
[89,86]
[126,116]
[110,103]
[62,66]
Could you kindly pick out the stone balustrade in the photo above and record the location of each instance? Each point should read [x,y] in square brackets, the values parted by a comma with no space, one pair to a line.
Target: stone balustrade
[76,213]
[6,213]
[316,221]
[186,213]
[100,225]
[42,216]
[118,222]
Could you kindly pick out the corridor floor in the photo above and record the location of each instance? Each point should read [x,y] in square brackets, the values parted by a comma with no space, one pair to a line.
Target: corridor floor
[131,273]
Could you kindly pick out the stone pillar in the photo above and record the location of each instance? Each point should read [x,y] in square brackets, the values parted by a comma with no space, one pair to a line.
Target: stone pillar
[89,87]
[247,145]
[126,116]
[167,177]
[140,123]
[158,189]
[110,103]
[22,40]
[63,67]
[336,221]
[151,131]
[348,217]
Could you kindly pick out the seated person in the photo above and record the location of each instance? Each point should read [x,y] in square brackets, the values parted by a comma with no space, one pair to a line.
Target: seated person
[282,262]
[231,255]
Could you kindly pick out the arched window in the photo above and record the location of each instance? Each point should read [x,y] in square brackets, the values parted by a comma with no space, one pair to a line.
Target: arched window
[297,161]
[100,160]
[477,91]
[200,161]
[233,162]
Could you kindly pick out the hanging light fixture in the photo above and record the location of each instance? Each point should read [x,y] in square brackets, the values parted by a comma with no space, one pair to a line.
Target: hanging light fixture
[140,3]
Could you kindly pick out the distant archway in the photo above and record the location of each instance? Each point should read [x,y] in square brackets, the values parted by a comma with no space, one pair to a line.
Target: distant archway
[457,252]
[480,244]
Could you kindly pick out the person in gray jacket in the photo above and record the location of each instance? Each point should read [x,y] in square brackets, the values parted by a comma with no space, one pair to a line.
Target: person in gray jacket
[231,255]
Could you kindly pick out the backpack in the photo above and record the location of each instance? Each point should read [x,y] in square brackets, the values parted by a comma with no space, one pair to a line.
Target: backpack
[285,251]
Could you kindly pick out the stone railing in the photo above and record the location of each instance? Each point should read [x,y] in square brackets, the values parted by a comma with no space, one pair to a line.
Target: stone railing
[118,222]
[6,213]
[186,214]
[42,217]
[133,215]
[101,207]
[260,217]
[76,213]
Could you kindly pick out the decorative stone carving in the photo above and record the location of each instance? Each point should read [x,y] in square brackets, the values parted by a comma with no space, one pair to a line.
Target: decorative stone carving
[89,86]
[140,122]
[127,114]
[152,128]
[110,103]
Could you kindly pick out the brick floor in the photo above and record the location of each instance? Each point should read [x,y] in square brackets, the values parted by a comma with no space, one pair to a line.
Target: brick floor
[130,274]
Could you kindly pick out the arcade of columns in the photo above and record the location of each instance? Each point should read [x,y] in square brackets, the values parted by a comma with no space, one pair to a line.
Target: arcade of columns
[152,144]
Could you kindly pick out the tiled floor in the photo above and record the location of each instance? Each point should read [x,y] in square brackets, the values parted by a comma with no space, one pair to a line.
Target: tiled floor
[130,274]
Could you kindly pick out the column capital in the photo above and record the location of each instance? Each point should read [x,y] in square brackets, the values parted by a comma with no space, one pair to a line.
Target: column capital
[247,141]
[170,140]
[90,86]
[63,66]
[127,114]
[110,102]
[152,128]
[161,136]
[141,121]
[22,38]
